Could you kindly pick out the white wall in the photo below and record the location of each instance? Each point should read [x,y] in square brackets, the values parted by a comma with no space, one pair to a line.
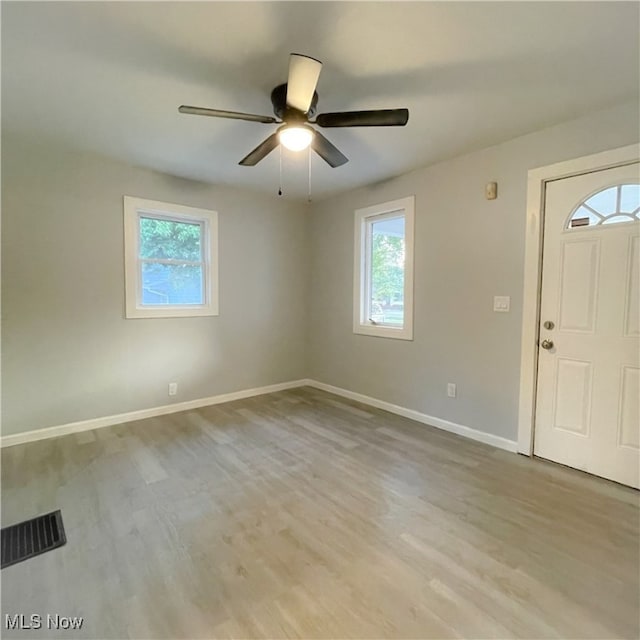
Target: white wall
[286,278]
[69,354]
[467,250]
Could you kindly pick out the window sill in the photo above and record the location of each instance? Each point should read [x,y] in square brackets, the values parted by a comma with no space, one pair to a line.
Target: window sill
[383,332]
[181,312]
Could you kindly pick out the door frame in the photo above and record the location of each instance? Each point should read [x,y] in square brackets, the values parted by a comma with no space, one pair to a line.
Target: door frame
[534,231]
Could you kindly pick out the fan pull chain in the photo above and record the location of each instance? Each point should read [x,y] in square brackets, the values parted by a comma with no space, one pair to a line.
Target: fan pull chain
[309,192]
[280,187]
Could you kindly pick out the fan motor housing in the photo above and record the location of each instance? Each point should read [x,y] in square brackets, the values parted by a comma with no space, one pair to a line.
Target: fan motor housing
[282,111]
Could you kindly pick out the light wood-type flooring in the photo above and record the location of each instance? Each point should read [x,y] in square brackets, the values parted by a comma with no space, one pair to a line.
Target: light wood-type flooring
[303,515]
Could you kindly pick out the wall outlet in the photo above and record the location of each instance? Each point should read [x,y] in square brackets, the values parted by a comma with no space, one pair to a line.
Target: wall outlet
[502,304]
[173,388]
[451,389]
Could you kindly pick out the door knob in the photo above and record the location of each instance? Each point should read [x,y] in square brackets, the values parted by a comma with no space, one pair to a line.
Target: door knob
[547,344]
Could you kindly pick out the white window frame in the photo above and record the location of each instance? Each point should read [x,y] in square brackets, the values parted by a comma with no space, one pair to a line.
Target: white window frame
[134,209]
[364,218]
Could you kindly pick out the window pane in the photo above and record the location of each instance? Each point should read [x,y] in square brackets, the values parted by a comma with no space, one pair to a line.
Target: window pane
[167,239]
[617,219]
[387,271]
[630,198]
[165,284]
[604,202]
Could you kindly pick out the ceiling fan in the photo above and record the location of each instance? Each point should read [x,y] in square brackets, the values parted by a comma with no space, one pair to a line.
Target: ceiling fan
[295,103]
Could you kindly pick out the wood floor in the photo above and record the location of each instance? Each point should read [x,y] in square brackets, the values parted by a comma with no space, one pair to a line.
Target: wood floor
[303,515]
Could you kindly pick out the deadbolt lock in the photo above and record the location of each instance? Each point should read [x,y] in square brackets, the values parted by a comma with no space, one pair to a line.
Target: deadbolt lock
[548,325]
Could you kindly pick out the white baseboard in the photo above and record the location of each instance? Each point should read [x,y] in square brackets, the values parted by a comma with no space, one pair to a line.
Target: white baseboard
[461,430]
[108,421]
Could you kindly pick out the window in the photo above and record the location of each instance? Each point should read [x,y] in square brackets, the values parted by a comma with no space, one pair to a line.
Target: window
[612,205]
[171,260]
[383,288]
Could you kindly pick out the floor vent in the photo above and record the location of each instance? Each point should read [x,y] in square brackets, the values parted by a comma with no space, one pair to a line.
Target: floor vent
[32,537]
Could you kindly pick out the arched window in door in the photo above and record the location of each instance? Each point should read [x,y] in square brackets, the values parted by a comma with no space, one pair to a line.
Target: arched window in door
[613,205]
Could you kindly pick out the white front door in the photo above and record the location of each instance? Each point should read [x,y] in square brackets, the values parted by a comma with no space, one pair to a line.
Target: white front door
[588,389]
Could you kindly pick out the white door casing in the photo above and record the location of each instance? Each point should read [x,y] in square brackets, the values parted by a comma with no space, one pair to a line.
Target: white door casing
[588,383]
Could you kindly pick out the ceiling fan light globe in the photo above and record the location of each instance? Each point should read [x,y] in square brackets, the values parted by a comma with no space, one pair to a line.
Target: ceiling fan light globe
[295,138]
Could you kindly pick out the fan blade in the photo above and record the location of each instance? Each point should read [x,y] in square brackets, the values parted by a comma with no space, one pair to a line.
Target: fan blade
[376,118]
[217,113]
[327,151]
[261,151]
[303,78]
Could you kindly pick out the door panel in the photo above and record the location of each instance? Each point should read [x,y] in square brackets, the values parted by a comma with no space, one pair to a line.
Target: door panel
[588,376]
[632,307]
[573,396]
[579,285]
[629,408]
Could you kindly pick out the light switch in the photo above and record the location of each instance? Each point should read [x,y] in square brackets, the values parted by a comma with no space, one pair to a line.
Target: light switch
[501,303]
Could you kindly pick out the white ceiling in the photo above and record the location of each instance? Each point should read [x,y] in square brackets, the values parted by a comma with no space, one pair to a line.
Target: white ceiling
[110,76]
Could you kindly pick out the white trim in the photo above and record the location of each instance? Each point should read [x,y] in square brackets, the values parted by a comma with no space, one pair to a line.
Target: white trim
[361,324]
[536,187]
[108,421]
[445,425]
[141,414]
[133,208]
